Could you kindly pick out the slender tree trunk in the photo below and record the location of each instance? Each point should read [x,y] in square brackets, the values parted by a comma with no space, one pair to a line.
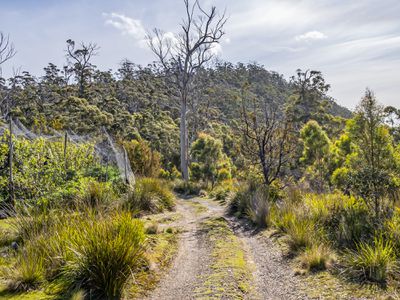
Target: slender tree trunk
[184,141]
[65,153]
[10,163]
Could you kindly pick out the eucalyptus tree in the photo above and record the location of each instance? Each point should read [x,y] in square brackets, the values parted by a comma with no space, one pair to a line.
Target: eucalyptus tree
[79,62]
[183,54]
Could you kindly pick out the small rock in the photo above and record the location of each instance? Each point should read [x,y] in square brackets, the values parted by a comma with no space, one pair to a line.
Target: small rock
[14,246]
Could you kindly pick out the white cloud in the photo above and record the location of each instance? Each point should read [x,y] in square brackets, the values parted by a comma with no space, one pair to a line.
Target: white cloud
[126,25]
[311,36]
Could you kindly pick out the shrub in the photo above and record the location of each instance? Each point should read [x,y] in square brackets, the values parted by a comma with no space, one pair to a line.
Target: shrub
[223,191]
[150,195]
[104,253]
[301,233]
[27,274]
[96,195]
[103,173]
[258,209]
[144,161]
[187,188]
[349,222]
[372,261]
[317,258]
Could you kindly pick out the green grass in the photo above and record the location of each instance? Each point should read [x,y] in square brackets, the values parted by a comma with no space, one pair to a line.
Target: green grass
[231,276]
[317,258]
[161,249]
[375,261]
[5,294]
[150,195]
[198,207]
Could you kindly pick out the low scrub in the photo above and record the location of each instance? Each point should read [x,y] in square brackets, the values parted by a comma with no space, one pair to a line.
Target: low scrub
[93,253]
[302,234]
[28,272]
[150,195]
[252,202]
[189,188]
[317,258]
[372,261]
[96,195]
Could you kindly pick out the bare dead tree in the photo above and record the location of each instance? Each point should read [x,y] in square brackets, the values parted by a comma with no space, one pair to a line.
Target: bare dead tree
[266,136]
[79,61]
[183,54]
[7,50]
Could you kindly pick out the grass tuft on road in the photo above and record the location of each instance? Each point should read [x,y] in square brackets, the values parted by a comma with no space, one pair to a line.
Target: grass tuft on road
[230,275]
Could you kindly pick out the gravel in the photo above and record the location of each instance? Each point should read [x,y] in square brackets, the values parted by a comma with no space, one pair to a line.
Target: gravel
[273,276]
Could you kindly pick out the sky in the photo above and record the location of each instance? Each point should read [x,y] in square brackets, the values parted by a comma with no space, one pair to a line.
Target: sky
[355,44]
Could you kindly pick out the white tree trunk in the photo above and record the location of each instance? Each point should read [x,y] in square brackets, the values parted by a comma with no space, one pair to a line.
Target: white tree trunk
[184,142]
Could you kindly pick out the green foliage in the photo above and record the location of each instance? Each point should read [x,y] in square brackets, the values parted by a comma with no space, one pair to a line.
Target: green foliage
[91,252]
[210,163]
[301,233]
[28,272]
[316,142]
[316,156]
[370,167]
[252,202]
[104,254]
[144,161]
[375,262]
[187,188]
[40,168]
[150,195]
[317,258]
[96,195]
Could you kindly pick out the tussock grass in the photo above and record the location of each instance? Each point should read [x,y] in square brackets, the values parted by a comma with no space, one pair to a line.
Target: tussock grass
[150,195]
[252,202]
[96,195]
[28,272]
[317,258]
[92,252]
[372,261]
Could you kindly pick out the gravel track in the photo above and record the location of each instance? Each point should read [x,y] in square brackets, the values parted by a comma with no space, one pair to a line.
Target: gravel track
[193,258]
[273,277]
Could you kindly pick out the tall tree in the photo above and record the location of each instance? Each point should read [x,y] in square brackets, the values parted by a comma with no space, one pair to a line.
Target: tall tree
[183,54]
[372,166]
[309,92]
[79,61]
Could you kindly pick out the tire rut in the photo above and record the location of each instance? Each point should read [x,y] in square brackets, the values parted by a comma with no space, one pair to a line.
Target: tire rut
[193,257]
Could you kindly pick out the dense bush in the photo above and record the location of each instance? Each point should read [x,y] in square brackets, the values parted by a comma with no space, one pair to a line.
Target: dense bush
[144,161]
[42,175]
[210,163]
